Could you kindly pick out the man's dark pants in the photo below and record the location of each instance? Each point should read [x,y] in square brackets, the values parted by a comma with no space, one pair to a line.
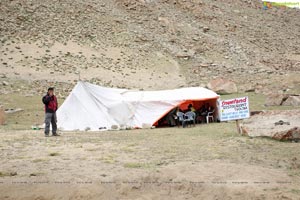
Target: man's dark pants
[50,118]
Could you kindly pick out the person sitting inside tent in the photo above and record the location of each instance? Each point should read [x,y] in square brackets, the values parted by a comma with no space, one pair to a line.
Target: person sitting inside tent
[191,108]
[210,112]
[210,108]
[205,110]
[171,117]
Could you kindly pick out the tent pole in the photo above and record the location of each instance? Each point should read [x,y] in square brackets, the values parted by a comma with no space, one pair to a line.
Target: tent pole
[238,126]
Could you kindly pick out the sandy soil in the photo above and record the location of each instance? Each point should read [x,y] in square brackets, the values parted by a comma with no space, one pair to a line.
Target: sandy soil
[202,162]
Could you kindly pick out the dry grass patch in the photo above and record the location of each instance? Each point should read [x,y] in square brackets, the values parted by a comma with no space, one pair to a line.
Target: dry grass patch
[109,159]
[137,165]
[38,160]
[4,174]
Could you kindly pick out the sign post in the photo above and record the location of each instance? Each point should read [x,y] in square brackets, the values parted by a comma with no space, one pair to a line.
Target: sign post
[235,109]
[238,126]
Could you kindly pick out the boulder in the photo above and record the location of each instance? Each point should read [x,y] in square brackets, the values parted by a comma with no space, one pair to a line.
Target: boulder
[222,86]
[279,125]
[282,100]
[292,101]
[2,116]
[275,99]
[290,134]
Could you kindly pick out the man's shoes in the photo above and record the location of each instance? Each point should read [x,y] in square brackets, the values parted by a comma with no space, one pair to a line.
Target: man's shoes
[55,134]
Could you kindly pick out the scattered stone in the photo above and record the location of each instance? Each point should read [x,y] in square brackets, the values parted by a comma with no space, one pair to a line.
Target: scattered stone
[13,173]
[11,110]
[170,31]
[114,127]
[250,90]
[247,88]
[5,83]
[281,122]
[205,29]
[222,86]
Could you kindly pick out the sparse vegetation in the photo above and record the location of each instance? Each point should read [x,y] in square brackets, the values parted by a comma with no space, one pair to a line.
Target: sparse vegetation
[136,165]
[4,174]
[108,158]
[127,150]
[38,160]
[296,191]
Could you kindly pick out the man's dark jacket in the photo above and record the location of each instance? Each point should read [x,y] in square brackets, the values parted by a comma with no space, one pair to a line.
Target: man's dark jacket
[50,103]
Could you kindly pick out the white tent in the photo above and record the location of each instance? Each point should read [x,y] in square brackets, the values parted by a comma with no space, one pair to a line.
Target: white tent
[92,107]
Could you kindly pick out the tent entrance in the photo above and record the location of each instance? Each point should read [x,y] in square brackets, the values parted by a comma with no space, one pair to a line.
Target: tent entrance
[166,120]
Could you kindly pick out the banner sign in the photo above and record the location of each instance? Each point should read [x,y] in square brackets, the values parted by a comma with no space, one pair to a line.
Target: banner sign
[234,109]
[281,3]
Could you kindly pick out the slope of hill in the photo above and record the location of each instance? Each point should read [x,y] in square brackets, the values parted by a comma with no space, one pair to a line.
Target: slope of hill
[150,44]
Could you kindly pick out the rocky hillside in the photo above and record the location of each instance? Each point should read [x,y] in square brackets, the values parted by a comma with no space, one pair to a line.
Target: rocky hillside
[148,44]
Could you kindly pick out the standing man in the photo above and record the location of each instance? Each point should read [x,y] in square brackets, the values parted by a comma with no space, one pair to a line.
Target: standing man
[51,105]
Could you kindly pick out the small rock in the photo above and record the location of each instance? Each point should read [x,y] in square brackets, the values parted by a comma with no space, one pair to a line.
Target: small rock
[9,111]
[205,29]
[114,127]
[13,174]
[4,83]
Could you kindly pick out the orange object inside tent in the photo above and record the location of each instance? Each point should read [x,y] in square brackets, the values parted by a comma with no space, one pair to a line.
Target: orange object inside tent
[197,104]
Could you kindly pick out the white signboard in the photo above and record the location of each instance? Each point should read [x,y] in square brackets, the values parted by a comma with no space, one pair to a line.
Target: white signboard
[234,109]
[287,3]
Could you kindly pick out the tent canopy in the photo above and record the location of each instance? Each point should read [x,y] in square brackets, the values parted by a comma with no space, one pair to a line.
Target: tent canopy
[92,107]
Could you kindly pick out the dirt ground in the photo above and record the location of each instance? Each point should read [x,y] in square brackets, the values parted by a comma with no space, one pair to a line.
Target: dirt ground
[203,162]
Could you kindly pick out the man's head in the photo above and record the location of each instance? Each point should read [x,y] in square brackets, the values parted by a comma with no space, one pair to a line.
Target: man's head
[50,91]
